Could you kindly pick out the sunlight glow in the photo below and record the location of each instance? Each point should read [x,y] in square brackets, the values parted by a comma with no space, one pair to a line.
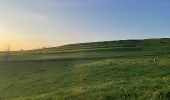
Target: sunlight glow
[29,24]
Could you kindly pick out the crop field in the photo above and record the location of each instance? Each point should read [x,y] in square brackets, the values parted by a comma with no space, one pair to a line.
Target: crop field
[109,70]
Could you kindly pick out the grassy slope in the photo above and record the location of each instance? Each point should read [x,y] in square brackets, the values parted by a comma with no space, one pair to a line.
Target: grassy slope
[101,70]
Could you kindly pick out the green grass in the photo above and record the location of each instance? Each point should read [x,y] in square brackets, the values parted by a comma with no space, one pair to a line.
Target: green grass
[110,70]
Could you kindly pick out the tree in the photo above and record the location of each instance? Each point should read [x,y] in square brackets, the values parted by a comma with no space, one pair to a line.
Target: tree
[7,53]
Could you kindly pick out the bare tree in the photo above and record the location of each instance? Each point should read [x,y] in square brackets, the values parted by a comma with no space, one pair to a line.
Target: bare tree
[7,53]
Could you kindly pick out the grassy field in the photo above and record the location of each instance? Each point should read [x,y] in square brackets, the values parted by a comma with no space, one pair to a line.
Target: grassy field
[110,70]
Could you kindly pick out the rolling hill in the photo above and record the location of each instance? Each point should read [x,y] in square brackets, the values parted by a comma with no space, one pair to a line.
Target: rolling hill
[109,70]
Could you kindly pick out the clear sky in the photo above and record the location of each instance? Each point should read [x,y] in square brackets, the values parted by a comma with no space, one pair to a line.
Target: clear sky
[31,24]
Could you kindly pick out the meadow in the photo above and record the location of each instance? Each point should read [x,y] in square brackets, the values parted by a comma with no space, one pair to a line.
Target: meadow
[109,70]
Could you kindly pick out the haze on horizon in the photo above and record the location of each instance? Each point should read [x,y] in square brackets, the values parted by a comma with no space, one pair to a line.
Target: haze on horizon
[28,24]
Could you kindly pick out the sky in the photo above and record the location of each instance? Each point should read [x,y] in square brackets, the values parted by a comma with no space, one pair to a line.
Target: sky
[30,24]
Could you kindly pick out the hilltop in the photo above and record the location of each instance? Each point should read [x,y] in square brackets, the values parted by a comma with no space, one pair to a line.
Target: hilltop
[125,69]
